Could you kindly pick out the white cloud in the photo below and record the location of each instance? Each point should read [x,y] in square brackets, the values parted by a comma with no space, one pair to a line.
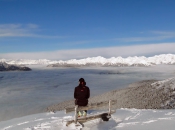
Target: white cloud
[124,51]
[142,39]
[155,36]
[16,30]
[22,30]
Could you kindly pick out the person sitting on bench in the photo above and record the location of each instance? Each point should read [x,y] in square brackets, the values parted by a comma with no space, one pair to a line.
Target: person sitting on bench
[81,95]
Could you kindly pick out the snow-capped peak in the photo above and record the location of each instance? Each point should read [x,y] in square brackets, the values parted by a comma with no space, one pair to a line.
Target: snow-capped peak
[99,60]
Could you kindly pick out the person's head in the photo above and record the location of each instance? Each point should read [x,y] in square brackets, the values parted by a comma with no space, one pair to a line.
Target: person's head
[82,81]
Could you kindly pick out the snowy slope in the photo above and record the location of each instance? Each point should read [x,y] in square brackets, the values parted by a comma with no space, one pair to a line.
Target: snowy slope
[123,119]
[168,88]
[113,61]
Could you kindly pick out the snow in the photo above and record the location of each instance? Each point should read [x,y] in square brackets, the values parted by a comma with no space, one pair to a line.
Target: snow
[167,83]
[123,119]
[99,60]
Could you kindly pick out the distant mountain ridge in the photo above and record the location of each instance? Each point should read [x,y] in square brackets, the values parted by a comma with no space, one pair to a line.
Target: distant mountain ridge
[6,67]
[99,61]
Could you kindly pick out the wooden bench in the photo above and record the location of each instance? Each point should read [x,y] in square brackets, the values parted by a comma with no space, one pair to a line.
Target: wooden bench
[94,106]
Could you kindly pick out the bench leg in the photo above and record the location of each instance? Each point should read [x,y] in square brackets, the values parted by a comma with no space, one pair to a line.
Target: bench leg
[75,118]
[109,112]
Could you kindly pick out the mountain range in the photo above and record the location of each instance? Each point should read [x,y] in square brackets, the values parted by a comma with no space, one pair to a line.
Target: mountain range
[98,61]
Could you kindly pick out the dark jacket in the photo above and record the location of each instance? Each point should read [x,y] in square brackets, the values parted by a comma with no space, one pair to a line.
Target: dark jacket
[81,95]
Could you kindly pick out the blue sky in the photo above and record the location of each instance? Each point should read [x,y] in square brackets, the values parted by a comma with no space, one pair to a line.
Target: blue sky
[80,28]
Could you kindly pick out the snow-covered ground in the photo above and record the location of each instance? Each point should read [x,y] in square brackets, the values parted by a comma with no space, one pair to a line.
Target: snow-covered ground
[123,119]
[24,94]
[113,61]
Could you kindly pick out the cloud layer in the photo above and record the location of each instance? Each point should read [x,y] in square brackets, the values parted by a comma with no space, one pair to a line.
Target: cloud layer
[154,36]
[23,30]
[124,51]
[17,30]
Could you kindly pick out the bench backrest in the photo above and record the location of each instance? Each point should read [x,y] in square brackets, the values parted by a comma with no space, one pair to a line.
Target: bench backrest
[92,106]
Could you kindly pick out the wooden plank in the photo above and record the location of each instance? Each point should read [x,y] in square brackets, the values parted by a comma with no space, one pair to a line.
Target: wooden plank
[90,117]
[93,106]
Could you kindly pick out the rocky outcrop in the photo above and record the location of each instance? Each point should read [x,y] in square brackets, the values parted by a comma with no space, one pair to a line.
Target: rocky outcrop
[7,67]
